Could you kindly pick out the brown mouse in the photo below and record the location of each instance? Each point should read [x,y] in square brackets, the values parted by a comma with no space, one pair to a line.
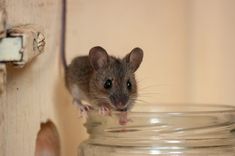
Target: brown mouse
[105,82]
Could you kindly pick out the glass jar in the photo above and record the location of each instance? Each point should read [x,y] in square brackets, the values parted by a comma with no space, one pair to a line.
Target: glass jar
[168,130]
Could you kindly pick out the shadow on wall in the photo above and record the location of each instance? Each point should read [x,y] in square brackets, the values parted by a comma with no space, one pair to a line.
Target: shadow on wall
[72,132]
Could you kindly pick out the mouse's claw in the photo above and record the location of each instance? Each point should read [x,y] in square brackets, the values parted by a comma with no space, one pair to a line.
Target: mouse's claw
[83,112]
[83,108]
[103,110]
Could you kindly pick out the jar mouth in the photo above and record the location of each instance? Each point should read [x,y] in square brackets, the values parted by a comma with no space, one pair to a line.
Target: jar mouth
[166,125]
[180,109]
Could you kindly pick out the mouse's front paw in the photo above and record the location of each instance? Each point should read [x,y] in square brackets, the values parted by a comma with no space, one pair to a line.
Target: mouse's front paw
[104,110]
[84,110]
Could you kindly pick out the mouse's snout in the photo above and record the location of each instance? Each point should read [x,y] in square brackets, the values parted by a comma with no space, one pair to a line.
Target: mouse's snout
[120,106]
[119,101]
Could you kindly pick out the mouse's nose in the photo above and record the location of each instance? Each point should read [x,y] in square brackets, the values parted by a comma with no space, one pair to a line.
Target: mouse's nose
[119,101]
[120,106]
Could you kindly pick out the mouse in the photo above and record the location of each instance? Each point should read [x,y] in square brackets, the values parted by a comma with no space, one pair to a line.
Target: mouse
[107,83]
[104,81]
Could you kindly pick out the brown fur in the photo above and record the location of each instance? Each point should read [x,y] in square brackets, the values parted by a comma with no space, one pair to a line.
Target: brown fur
[89,74]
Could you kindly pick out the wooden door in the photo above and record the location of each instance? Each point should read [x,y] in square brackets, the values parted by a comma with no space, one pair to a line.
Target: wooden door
[35,94]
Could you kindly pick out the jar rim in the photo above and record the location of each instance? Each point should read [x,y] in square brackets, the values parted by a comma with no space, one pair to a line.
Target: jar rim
[180,109]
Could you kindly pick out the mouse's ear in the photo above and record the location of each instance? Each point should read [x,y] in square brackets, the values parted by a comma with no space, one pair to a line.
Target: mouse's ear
[98,57]
[134,58]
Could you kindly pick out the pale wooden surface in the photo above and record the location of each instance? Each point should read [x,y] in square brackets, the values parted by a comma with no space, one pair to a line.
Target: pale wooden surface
[35,93]
[28,98]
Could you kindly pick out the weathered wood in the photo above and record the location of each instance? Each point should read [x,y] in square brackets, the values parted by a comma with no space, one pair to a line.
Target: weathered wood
[34,93]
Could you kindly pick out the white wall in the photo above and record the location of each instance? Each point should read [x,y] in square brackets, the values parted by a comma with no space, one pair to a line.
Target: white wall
[158,27]
[212,51]
[189,44]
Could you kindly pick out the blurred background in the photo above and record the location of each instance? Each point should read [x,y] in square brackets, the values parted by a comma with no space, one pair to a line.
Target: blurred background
[189,45]
[189,57]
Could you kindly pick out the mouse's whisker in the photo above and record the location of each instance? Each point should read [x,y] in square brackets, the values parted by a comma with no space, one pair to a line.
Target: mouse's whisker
[149,93]
[145,87]
[101,99]
[143,79]
[152,85]
[148,88]
[148,96]
[142,102]
[137,100]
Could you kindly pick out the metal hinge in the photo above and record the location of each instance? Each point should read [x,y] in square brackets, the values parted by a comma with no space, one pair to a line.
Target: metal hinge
[21,45]
[18,46]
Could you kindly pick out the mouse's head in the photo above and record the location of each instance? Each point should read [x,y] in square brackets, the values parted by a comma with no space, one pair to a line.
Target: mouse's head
[113,83]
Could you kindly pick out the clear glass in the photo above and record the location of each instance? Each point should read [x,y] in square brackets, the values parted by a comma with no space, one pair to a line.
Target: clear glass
[168,130]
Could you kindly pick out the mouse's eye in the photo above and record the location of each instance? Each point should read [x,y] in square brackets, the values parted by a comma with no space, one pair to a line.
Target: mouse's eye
[128,85]
[108,84]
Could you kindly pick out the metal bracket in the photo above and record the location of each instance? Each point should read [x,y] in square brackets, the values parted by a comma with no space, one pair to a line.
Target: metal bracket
[10,49]
[21,45]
